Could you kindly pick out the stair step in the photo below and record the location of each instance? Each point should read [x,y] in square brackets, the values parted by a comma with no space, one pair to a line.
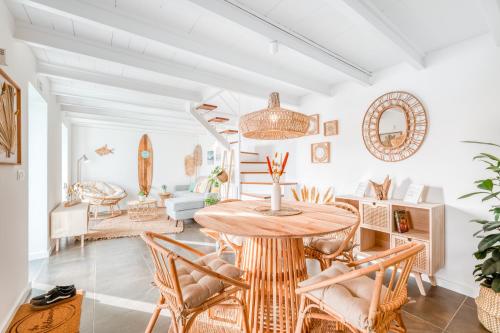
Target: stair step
[218,120]
[252,162]
[229,131]
[257,195]
[267,183]
[208,107]
[248,153]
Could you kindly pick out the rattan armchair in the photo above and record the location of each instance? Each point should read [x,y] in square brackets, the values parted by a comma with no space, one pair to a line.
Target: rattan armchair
[337,246]
[226,243]
[189,289]
[341,298]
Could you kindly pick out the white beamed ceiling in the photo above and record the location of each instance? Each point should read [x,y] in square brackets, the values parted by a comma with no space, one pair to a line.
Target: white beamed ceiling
[366,41]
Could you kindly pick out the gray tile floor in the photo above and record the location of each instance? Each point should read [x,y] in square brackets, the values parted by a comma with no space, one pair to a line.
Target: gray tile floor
[116,276]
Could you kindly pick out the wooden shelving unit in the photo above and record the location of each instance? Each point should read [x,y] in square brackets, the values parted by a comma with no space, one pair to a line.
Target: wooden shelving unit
[378,232]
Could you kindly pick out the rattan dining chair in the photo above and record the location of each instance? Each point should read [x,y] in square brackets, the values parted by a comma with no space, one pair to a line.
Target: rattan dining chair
[343,298]
[189,289]
[337,246]
[313,195]
[227,243]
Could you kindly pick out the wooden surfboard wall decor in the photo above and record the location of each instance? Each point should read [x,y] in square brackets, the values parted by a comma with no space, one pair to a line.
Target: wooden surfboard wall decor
[145,164]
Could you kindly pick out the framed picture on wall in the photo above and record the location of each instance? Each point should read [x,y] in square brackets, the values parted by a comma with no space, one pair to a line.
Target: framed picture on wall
[313,124]
[331,127]
[320,152]
[10,120]
[210,157]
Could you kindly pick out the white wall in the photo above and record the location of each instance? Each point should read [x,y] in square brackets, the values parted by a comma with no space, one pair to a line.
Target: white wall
[460,89]
[120,168]
[14,193]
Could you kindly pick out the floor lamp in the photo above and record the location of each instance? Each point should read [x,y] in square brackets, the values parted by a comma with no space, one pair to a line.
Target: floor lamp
[79,162]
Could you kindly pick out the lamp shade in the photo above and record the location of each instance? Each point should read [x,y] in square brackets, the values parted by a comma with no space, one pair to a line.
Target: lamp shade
[274,123]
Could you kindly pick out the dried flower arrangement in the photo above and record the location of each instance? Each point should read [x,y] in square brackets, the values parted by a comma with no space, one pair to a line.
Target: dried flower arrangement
[276,167]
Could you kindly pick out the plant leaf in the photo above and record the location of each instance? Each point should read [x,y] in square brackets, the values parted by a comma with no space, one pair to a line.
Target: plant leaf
[495,285]
[471,194]
[488,241]
[482,143]
[491,196]
[491,266]
[486,184]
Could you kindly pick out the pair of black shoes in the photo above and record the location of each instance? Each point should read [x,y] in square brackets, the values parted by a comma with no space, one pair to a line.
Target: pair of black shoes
[59,294]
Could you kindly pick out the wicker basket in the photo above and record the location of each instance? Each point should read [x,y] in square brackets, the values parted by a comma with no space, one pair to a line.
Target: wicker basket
[223,176]
[422,259]
[488,309]
[376,216]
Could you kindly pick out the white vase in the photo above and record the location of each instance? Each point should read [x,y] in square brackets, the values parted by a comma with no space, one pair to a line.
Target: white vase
[276,197]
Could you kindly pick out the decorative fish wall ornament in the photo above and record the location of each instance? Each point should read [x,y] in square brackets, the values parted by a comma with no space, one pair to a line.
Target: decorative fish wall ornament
[104,150]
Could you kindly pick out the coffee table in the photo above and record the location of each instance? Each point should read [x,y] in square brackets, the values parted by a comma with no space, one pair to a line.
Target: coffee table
[142,210]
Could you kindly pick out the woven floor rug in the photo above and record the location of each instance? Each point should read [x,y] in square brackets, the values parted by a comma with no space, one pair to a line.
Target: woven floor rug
[61,318]
[122,226]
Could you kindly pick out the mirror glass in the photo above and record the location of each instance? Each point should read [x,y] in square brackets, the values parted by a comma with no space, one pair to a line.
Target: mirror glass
[392,127]
[320,153]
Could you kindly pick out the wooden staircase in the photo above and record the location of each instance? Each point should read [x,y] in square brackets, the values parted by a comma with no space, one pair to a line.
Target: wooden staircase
[255,181]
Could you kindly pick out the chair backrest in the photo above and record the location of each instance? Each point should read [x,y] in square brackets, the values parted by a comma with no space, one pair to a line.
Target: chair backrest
[399,264]
[347,234]
[313,196]
[165,276]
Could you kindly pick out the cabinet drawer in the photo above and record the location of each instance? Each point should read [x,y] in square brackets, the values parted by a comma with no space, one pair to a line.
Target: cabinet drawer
[422,260]
[376,216]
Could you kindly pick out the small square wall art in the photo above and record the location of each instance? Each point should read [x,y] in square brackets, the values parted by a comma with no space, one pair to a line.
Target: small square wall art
[331,127]
[320,152]
[313,124]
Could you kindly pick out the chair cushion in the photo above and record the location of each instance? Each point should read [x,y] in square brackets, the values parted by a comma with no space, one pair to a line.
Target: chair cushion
[197,287]
[350,299]
[327,246]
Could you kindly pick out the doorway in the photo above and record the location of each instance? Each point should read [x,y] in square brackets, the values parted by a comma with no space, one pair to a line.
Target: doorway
[38,226]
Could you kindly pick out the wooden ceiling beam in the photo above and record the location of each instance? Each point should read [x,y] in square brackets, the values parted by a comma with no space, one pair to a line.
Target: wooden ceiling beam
[370,14]
[77,74]
[47,38]
[119,20]
[262,25]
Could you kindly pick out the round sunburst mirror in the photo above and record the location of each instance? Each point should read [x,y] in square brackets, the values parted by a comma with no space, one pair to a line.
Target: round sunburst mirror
[394,126]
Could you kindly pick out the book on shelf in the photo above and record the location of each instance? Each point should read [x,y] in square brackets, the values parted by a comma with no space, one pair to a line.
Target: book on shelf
[402,220]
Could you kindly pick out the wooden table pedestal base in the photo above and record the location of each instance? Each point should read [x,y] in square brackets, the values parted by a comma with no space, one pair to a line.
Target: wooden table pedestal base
[274,267]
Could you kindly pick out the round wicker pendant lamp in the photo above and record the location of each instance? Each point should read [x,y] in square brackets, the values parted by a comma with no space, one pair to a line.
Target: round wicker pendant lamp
[274,123]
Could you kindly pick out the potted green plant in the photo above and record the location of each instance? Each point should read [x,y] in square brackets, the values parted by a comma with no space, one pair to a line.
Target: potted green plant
[142,195]
[211,199]
[487,271]
[164,188]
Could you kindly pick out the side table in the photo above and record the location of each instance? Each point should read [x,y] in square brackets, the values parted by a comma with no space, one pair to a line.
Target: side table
[69,222]
[164,196]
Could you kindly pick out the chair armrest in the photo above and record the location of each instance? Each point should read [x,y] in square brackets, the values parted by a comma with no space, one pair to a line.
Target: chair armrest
[181,187]
[181,245]
[216,275]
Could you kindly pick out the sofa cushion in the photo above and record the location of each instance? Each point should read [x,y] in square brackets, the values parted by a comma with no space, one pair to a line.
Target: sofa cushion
[197,287]
[202,186]
[349,299]
[185,203]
